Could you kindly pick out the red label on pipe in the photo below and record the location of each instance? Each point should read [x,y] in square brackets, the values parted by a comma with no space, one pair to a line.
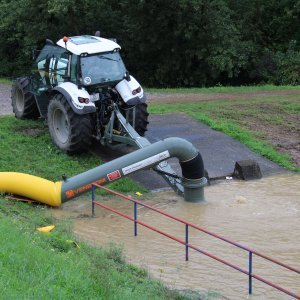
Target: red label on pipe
[114,175]
[82,189]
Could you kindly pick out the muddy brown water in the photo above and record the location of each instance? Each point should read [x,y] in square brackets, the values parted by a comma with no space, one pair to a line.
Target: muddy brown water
[263,215]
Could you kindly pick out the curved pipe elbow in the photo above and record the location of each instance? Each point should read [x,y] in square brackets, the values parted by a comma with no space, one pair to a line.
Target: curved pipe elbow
[180,148]
[190,159]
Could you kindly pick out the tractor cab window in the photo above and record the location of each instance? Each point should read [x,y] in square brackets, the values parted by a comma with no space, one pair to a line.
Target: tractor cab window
[102,68]
[50,68]
[73,69]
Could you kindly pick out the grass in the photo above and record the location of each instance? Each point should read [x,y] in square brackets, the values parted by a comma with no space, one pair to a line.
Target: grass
[224,89]
[5,81]
[46,266]
[26,147]
[36,265]
[234,119]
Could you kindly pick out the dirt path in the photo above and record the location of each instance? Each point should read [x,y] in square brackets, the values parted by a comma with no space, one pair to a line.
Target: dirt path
[190,97]
[5,106]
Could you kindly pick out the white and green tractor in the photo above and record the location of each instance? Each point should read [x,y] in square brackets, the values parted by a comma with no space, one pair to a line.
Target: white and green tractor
[81,86]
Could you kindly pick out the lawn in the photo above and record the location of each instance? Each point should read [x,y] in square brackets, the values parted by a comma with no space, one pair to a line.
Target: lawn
[54,265]
[269,125]
[224,89]
[26,147]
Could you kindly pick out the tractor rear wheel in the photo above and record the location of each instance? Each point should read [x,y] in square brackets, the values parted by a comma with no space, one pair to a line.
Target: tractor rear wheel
[22,100]
[70,132]
[141,118]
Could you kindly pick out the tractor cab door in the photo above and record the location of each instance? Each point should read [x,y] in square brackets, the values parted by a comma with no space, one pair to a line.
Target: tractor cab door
[49,69]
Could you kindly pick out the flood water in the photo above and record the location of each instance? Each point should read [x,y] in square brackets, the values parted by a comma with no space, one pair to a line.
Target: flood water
[263,215]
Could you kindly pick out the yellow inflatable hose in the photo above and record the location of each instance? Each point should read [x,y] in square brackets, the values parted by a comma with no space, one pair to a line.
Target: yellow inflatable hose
[33,187]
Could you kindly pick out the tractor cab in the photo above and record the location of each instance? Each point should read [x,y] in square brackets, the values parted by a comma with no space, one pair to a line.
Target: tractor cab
[50,68]
[83,60]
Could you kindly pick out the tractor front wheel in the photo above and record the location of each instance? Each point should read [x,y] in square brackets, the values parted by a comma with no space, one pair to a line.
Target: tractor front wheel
[22,100]
[70,132]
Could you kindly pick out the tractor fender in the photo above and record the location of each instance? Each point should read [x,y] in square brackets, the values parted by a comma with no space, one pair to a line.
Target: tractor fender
[131,91]
[71,92]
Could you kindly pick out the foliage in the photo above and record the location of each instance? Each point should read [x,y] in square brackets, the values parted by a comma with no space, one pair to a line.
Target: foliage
[165,43]
[288,66]
[192,44]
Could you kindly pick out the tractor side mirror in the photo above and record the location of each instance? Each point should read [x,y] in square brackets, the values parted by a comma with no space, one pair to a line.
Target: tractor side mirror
[127,76]
[34,54]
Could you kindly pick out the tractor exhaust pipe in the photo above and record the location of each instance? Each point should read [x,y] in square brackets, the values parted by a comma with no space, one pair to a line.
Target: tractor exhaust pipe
[189,158]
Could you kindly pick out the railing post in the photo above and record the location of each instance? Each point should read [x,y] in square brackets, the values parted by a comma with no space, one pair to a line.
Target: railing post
[186,242]
[135,218]
[93,200]
[250,273]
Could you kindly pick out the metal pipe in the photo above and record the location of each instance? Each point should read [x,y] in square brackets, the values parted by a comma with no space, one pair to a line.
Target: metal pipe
[151,155]
[145,158]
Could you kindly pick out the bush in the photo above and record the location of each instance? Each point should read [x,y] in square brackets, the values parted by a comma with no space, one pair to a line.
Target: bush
[288,66]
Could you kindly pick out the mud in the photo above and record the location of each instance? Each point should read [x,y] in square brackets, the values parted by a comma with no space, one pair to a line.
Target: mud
[284,139]
[190,97]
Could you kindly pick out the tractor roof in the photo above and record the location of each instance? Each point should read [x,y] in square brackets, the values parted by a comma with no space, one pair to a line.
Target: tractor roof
[88,44]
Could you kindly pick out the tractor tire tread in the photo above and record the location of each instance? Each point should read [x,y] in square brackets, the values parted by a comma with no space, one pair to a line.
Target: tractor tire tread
[30,110]
[141,118]
[80,127]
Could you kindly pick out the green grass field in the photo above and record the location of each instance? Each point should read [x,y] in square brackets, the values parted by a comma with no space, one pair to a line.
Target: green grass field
[237,117]
[224,89]
[38,265]
[26,147]
[5,81]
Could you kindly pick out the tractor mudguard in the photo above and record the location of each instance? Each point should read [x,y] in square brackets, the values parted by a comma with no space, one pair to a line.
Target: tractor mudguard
[131,91]
[71,92]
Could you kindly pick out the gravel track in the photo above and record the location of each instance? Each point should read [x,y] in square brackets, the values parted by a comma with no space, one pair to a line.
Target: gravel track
[5,104]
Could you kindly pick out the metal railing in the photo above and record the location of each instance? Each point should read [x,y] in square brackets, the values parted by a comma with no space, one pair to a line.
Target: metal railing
[186,243]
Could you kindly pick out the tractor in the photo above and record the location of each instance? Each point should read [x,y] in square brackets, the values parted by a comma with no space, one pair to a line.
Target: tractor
[83,90]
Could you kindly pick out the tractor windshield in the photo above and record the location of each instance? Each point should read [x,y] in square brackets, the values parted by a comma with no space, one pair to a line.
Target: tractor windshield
[102,68]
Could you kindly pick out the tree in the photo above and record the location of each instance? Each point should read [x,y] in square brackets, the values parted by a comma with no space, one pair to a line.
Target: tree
[164,42]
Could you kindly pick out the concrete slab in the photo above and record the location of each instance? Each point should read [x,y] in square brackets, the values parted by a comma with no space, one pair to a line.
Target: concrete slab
[219,151]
